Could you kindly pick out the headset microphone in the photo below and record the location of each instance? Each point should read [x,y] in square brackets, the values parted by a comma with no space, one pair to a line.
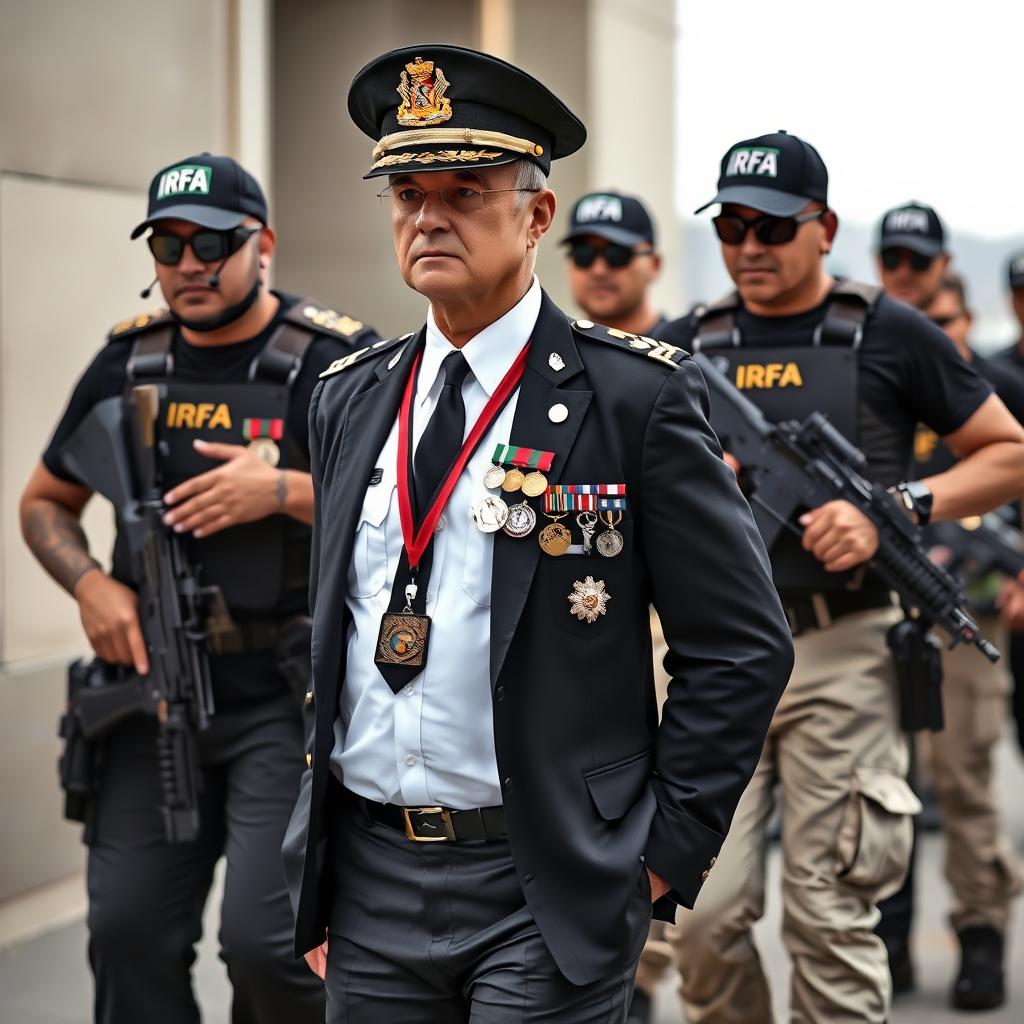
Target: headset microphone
[148,290]
[213,280]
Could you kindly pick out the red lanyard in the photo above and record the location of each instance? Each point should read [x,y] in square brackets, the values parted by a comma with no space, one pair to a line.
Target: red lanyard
[416,543]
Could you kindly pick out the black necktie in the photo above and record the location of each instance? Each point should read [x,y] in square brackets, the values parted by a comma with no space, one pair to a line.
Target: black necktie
[442,439]
[437,450]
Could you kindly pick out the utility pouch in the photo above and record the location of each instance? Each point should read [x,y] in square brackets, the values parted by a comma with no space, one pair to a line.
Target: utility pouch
[918,658]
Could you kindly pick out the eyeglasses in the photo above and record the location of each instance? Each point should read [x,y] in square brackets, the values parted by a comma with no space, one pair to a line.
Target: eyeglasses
[208,246]
[768,230]
[407,199]
[892,259]
[583,254]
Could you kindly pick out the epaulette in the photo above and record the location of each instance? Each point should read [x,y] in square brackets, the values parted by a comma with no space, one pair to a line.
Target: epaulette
[364,353]
[138,324]
[335,325]
[639,345]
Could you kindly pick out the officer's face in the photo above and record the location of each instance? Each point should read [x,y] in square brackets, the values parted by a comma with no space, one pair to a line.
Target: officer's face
[772,275]
[451,255]
[1017,297]
[918,287]
[947,312]
[606,293]
[185,284]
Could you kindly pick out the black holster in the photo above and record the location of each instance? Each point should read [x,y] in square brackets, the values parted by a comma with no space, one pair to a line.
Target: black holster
[918,657]
[77,768]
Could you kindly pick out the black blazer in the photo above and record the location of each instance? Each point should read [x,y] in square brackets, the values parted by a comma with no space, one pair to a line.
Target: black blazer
[591,784]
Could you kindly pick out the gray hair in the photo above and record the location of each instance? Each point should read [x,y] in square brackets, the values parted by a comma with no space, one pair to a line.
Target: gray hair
[530,177]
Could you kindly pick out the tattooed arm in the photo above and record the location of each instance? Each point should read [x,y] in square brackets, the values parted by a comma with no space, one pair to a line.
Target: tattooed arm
[51,511]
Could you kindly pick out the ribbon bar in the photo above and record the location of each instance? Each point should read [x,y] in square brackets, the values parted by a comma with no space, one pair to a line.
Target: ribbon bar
[254,428]
[516,455]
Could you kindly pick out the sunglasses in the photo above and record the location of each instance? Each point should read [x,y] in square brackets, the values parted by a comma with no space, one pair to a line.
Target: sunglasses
[768,230]
[583,255]
[892,259]
[208,246]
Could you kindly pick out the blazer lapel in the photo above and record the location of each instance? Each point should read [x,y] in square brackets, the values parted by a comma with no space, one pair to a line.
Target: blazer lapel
[543,388]
[369,418]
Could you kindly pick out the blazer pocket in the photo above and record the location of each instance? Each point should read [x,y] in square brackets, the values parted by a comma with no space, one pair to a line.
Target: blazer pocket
[616,787]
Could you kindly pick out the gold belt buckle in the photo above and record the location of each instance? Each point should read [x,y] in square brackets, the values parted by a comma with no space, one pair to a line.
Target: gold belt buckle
[446,818]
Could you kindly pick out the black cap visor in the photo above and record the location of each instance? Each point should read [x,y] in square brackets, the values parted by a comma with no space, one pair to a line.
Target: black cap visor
[204,216]
[612,234]
[767,200]
[930,247]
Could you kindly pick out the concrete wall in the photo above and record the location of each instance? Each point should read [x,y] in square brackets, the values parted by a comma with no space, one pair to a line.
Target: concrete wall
[94,97]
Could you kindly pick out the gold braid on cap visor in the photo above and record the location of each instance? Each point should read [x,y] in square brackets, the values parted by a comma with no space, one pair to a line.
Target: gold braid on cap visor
[450,136]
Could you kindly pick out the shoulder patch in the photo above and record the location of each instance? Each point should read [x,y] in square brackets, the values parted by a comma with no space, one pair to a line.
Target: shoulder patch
[363,354]
[136,324]
[661,351]
[337,325]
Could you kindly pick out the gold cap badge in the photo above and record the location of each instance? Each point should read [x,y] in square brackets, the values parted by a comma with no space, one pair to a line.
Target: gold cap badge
[422,88]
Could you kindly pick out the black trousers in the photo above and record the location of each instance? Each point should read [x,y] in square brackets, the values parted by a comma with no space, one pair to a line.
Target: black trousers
[439,933]
[146,896]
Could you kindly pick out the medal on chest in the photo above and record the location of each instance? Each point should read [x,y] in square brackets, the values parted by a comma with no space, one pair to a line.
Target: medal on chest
[506,472]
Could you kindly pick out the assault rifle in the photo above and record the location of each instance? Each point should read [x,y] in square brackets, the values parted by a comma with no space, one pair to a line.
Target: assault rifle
[978,545]
[793,466]
[113,452]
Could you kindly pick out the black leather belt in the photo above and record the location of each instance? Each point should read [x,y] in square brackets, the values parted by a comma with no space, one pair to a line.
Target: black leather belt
[439,824]
[819,611]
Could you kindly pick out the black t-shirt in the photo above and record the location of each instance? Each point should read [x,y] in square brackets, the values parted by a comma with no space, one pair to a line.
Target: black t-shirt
[105,377]
[239,677]
[909,372]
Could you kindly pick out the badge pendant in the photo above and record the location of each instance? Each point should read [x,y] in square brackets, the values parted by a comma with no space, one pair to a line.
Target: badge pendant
[521,520]
[554,539]
[587,521]
[265,448]
[490,514]
[611,542]
[404,635]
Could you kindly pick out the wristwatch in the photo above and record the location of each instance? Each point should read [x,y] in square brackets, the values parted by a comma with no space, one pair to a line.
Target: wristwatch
[916,499]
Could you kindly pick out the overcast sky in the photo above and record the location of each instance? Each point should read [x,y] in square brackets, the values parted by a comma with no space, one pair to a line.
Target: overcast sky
[903,99]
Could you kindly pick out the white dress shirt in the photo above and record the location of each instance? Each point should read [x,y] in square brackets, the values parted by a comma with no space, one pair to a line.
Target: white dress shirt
[433,741]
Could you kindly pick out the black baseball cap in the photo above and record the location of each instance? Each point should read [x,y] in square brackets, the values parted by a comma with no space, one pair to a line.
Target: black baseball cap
[776,174]
[212,191]
[435,107]
[612,215]
[1015,270]
[912,226]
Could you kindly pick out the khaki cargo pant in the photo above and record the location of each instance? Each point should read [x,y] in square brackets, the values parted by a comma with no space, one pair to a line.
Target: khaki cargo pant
[837,756]
[980,866]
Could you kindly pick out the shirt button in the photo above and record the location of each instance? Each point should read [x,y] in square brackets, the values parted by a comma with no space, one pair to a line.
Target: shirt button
[410,760]
[409,690]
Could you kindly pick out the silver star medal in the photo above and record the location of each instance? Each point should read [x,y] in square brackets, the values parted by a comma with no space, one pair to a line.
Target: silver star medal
[588,599]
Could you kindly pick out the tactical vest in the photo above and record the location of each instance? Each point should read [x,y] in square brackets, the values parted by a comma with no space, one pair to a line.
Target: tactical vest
[790,381]
[262,565]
